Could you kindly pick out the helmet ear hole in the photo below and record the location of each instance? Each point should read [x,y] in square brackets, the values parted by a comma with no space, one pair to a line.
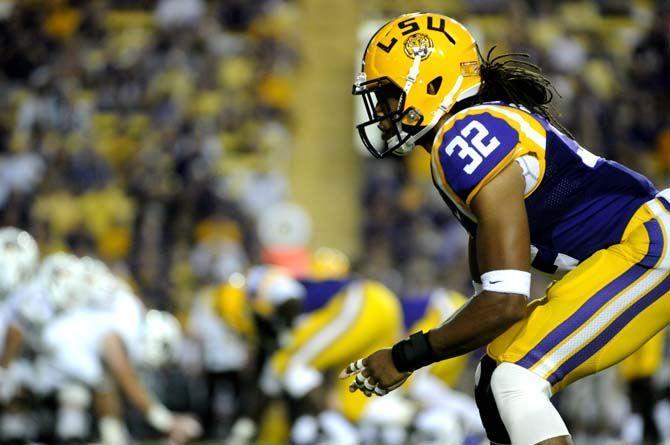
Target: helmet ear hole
[434,86]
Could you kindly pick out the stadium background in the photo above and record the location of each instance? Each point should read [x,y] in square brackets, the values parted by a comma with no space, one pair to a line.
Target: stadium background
[183,140]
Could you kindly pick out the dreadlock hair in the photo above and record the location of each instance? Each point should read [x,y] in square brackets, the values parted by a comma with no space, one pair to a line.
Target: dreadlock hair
[508,79]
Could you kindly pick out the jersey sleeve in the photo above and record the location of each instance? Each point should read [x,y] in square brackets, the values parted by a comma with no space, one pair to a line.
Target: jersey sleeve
[471,149]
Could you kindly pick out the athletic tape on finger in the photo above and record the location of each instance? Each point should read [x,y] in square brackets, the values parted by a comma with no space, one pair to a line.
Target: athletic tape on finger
[360,380]
[379,391]
[359,365]
[369,386]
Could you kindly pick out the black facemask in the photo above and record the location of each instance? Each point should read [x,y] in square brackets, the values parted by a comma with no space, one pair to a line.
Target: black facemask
[377,94]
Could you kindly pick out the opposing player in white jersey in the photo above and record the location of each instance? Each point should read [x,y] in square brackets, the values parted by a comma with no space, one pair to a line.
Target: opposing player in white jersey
[94,331]
[121,335]
[19,257]
[26,310]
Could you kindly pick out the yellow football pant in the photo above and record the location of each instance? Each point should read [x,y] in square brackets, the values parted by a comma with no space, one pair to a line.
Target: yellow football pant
[600,312]
[645,361]
[361,319]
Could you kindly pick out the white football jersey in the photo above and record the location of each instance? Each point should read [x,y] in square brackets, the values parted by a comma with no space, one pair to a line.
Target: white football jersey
[73,343]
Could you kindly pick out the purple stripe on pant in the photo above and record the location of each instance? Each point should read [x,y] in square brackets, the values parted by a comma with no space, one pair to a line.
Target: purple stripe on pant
[605,294]
[610,331]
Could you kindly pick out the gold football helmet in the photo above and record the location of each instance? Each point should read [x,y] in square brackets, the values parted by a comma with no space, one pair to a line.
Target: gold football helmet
[329,264]
[425,61]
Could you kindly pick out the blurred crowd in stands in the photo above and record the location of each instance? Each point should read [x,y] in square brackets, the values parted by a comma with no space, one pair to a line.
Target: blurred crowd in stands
[150,134]
[133,130]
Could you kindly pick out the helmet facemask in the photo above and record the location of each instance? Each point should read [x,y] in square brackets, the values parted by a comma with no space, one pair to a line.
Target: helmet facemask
[389,127]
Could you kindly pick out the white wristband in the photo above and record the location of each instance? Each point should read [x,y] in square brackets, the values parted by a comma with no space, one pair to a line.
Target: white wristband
[508,281]
[478,287]
[160,418]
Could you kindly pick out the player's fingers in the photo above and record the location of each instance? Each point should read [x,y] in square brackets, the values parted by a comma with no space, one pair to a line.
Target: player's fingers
[346,372]
[353,368]
[369,386]
[380,391]
[359,381]
[353,387]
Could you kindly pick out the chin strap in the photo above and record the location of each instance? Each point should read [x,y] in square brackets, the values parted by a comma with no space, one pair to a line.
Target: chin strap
[408,145]
[444,107]
[412,74]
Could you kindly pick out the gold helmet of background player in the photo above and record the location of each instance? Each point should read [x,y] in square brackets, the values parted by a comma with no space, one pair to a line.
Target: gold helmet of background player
[329,264]
[426,61]
[230,303]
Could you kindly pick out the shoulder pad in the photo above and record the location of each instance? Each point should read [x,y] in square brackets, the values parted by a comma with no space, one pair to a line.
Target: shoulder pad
[471,148]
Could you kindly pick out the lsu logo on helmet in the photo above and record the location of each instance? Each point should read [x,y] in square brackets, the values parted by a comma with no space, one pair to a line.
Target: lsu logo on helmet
[418,44]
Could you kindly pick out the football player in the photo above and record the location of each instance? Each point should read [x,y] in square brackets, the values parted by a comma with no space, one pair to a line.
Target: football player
[19,257]
[360,316]
[104,360]
[52,290]
[121,336]
[222,329]
[70,297]
[257,311]
[529,195]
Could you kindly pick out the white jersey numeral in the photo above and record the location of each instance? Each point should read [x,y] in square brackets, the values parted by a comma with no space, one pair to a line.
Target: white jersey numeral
[476,150]
[465,151]
[478,139]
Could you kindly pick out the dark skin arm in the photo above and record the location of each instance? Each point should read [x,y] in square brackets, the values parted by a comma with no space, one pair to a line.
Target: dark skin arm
[118,363]
[122,371]
[472,260]
[12,346]
[503,242]
[108,402]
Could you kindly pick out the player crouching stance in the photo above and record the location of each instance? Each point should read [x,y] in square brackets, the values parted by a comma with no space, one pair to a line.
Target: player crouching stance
[360,317]
[529,195]
[95,333]
[121,337]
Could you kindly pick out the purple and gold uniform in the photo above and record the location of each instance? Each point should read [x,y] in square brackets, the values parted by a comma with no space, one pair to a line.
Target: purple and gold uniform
[442,304]
[596,223]
[360,318]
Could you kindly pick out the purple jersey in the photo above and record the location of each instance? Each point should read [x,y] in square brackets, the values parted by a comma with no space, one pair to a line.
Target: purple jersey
[579,204]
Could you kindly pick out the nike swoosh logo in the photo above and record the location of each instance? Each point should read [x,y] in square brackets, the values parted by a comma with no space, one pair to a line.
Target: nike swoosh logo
[494,282]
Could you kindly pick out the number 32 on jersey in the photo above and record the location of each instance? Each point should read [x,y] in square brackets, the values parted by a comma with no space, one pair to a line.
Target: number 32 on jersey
[476,149]
[473,146]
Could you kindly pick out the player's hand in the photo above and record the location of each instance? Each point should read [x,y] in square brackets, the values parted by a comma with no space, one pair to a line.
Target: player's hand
[375,374]
[184,428]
